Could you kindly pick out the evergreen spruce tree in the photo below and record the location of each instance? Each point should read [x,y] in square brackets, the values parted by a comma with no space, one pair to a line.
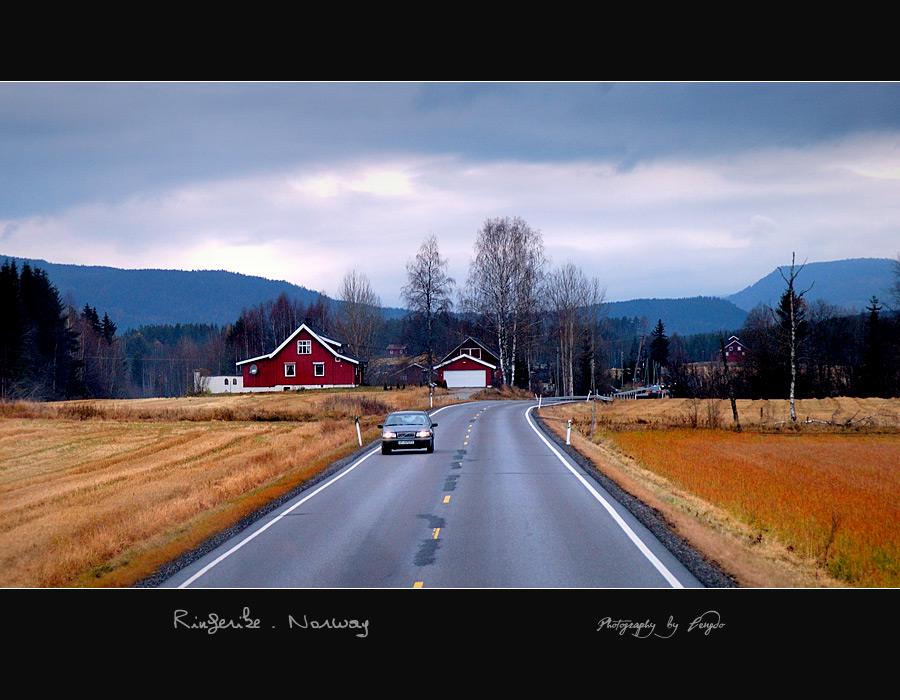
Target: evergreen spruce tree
[39,349]
[872,379]
[11,329]
[659,348]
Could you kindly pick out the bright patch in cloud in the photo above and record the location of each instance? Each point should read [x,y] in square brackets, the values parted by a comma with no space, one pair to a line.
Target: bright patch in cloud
[383,182]
[669,228]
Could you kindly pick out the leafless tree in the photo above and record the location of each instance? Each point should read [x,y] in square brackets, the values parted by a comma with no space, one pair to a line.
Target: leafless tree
[793,299]
[284,317]
[895,288]
[317,312]
[729,385]
[573,300]
[503,284]
[359,317]
[428,291]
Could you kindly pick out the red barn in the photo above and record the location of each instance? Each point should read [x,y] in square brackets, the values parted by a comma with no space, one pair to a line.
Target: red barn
[306,360]
[469,364]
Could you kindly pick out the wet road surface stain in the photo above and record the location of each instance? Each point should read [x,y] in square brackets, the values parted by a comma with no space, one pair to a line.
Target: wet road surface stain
[429,547]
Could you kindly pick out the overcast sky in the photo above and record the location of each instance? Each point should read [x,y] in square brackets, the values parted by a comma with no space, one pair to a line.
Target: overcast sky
[657,189]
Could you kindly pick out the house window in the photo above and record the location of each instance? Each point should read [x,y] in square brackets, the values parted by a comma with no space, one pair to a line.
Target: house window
[290,369]
[318,369]
[304,347]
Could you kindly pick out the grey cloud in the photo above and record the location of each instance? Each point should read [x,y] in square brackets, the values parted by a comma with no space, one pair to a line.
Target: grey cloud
[66,143]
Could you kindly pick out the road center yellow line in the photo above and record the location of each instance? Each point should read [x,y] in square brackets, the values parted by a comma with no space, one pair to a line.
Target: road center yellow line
[418,584]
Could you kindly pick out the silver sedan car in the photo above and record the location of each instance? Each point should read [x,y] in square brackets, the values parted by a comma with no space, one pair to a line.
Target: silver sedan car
[407,430]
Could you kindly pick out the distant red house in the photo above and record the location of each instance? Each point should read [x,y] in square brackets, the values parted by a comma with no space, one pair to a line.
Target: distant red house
[414,374]
[307,359]
[469,364]
[735,351]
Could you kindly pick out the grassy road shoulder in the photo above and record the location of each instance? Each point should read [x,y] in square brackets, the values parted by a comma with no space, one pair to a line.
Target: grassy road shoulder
[794,506]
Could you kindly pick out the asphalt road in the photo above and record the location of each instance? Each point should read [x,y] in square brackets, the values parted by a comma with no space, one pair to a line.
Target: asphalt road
[497,505]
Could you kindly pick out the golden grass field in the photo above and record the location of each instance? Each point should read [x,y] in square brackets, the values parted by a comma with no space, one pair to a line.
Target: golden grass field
[101,493]
[778,504]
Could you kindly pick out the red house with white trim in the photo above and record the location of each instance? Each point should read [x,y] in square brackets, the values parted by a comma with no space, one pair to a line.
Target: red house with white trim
[306,360]
[469,364]
[735,350]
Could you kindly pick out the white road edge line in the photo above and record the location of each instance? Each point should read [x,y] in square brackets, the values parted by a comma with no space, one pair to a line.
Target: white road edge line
[674,582]
[269,524]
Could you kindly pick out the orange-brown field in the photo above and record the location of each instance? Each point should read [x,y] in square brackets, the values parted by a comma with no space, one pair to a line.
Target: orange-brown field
[100,493]
[824,492]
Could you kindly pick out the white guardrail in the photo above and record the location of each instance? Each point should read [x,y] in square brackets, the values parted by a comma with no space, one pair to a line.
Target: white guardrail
[642,393]
[549,400]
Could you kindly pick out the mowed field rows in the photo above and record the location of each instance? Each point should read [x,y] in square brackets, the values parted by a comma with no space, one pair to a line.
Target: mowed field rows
[101,493]
[815,503]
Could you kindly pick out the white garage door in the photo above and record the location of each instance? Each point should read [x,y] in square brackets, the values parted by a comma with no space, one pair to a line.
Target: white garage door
[465,378]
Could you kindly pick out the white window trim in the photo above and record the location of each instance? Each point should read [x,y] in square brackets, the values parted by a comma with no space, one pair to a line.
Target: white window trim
[290,369]
[304,347]
[318,369]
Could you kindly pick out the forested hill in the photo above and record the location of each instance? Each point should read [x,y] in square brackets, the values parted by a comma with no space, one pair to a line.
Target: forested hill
[682,316]
[135,298]
[846,284]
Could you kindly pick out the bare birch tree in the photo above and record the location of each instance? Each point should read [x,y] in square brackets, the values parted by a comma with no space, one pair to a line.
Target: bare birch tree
[284,317]
[573,301]
[793,302]
[503,284]
[359,317]
[428,290]
[317,312]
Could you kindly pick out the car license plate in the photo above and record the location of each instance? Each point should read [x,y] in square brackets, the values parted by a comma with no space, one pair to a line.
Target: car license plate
[404,442]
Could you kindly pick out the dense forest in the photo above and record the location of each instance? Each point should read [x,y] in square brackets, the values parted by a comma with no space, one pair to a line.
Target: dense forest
[837,354]
[38,344]
[50,350]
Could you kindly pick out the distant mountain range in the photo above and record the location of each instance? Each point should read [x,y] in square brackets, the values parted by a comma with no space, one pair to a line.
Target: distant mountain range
[134,298]
[847,284]
[682,316]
